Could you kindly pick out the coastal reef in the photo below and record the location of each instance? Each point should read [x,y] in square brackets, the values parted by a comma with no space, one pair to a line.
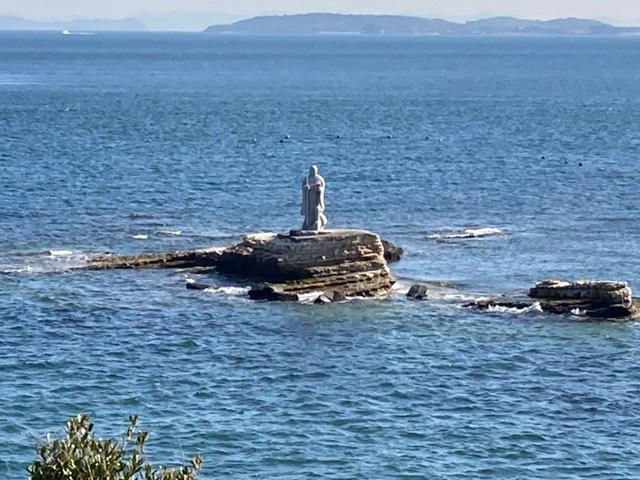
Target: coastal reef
[324,266]
[596,299]
[205,257]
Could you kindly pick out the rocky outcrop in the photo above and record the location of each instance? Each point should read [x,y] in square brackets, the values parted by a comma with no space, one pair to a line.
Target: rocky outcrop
[596,293]
[333,263]
[392,253]
[596,299]
[198,286]
[206,257]
[593,298]
[419,291]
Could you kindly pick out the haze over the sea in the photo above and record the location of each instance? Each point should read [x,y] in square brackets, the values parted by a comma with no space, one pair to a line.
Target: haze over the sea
[198,14]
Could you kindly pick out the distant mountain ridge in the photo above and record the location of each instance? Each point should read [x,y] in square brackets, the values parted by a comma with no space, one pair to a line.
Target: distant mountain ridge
[313,23]
[182,21]
[89,24]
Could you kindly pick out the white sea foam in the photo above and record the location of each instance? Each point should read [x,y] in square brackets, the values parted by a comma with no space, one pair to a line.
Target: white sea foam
[25,269]
[170,232]
[401,286]
[60,253]
[466,233]
[231,291]
[48,261]
[534,308]
[458,297]
[309,297]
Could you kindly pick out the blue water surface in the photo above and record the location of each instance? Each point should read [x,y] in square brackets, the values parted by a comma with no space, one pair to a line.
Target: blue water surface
[133,142]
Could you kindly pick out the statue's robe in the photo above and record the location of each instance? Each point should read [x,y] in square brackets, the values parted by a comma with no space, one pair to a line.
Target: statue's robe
[313,203]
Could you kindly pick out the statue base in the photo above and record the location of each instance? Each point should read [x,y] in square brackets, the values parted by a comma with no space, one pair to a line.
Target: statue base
[307,233]
[325,263]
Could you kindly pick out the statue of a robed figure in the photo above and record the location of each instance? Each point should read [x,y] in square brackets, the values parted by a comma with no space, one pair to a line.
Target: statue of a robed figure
[313,201]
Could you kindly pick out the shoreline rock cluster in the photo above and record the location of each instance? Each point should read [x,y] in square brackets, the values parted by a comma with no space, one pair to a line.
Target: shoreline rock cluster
[595,299]
[330,265]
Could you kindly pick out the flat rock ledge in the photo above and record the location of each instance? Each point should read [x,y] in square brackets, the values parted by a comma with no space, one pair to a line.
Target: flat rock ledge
[206,257]
[596,299]
[198,258]
[332,264]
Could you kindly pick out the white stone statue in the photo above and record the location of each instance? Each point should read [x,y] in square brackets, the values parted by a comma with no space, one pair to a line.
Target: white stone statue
[313,201]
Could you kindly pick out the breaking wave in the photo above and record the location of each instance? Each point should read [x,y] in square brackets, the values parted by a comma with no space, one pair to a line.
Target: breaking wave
[169,232]
[60,253]
[534,308]
[47,261]
[231,291]
[26,269]
[466,233]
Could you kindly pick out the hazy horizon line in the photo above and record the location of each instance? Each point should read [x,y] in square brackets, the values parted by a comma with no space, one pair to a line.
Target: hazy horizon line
[239,16]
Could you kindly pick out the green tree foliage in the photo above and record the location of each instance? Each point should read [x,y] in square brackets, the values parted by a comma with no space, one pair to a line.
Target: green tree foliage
[82,456]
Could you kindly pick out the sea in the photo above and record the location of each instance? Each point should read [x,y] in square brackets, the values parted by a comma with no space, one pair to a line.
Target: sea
[494,161]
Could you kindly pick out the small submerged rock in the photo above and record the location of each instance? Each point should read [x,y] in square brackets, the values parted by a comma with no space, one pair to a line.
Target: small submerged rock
[418,291]
[336,296]
[198,286]
[272,293]
[330,297]
[322,299]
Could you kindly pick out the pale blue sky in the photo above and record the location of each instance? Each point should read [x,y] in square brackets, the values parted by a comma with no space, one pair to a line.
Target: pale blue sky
[618,11]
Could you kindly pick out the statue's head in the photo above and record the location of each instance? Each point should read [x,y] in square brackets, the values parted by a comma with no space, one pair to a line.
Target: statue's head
[313,171]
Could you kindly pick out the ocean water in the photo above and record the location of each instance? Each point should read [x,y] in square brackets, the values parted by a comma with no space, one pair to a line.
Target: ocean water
[141,142]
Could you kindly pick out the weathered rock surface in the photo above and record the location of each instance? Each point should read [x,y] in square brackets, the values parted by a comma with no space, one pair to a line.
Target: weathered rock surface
[602,293]
[597,299]
[207,257]
[198,286]
[603,299]
[392,253]
[419,291]
[333,263]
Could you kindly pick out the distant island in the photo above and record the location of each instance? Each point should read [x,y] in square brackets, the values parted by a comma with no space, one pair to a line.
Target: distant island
[317,23]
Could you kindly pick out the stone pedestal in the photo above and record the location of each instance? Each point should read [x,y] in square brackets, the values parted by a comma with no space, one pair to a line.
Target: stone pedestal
[334,263]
